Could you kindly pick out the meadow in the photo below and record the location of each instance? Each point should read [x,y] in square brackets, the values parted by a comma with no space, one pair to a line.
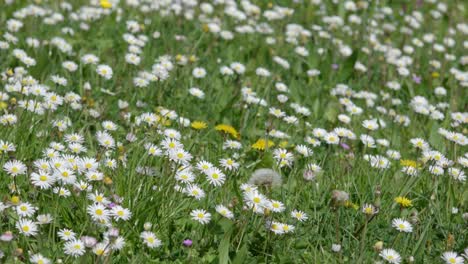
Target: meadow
[224,131]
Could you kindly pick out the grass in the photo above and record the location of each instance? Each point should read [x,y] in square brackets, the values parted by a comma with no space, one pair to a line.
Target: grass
[147,185]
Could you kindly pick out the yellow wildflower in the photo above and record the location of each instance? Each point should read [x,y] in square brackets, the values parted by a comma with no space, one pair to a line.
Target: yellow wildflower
[261,144]
[227,129]
[409,163]
[106,4]
[198,125]
[15,200]
[403,201]
[193,58]
[284,144]
[350,204]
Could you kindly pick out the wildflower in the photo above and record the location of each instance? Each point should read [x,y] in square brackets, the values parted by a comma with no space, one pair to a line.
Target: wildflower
[403,201]
[229,164]
[98,212]
[390,255]
[14,168]
[27,227]
[201,216]
[369,209]
[409,163]
[198,125]
[336,247]
[104,71]
[402,225]
[195,191]
[66,234]
[452,258]
[6,146]
[224,211]
[25,210]
[39,259]
[74,248]
[299,215]
[262,144]
[227,129]
[187,243]
[105,4]
[150,239]
[277,206]
[120,213]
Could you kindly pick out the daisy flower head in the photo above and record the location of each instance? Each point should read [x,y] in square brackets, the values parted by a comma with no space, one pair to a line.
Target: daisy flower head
[299,215]
[200,215]
[150,239]
[74,248]
[229,164]
[39,259]
[6,146]
[204,166]
[14,168]
[451,257]
[42,179]
[276,228]
[402,225]
[120,213]
[391,256]
[369,209]
[104,71]
[197,92]
[224,211]
[25,209]
[98,212]
[66,234]
[199,73]
[27,227]
[276,206]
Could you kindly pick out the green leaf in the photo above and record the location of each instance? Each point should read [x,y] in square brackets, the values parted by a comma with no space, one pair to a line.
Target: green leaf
[266,162]
[241,255]
[224,247]
[331,111]
[417,251]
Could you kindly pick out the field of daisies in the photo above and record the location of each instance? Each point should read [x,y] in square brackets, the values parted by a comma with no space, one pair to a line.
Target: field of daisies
[233,131]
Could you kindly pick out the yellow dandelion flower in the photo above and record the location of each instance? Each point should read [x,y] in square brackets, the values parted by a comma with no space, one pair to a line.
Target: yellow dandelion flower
[107,180]
[3,105]
[198,125]
[261,144]
[15,199]
[409,163]
[227,129]
[350,204]
[106,4]
[193,58]
[403,201]
[283,144]
[435,75]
